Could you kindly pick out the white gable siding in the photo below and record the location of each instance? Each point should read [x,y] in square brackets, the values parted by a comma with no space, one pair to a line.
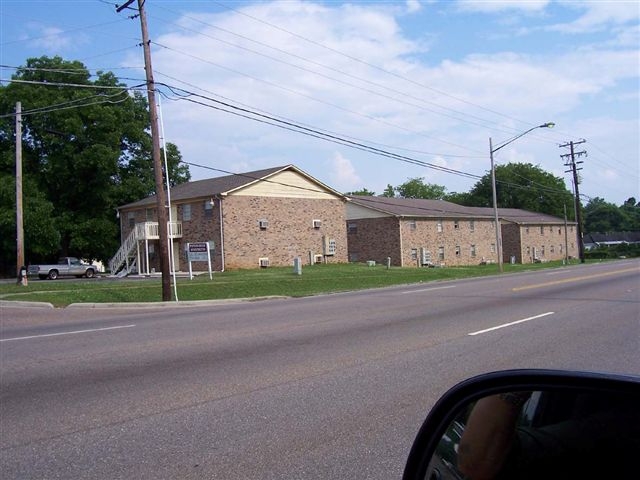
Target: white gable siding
[286,184]
[355,212]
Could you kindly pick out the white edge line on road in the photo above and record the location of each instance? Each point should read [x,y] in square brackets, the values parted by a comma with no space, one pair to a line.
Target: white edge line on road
[426,290]
[511,323]
[66,333]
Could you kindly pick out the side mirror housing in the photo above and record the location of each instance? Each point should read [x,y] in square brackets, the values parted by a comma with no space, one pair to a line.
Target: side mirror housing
[531,424]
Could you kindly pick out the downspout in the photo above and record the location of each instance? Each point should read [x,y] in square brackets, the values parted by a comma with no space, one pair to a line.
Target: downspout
[221,235]
[401,245]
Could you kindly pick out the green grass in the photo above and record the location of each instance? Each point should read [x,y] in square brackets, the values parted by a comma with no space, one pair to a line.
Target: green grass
[314,280]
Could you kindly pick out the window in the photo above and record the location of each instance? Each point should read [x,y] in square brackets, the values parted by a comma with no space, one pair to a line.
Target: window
[552,249]
[472,225]
[559,231]
[263,224]
[550,229]
[412,224]
[473,250]
[439,226]
[414,254]
[440,253]
[208,209]
[150,214]
[456,224]
[493,248]
[560,248]
[186,212]
[541,230]
[457,250]
[352,228]
[526,230]
[132,219]
[528,251]
[542,251]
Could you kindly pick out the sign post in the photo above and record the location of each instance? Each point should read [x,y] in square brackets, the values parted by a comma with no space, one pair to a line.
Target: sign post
[199,252]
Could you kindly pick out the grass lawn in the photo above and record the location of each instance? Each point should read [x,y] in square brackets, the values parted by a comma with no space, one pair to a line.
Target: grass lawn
[315,279]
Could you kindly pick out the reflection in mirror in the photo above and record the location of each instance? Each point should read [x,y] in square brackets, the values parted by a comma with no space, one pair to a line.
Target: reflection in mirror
[541,434]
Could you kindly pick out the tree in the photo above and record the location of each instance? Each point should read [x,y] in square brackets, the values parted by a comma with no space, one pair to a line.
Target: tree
[524,186]
[603,217]
[389,192]
[86,149]
[417,188]
[364,192]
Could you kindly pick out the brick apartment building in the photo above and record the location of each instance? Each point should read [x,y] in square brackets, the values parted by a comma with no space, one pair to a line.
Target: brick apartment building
[261,218]
[416,232]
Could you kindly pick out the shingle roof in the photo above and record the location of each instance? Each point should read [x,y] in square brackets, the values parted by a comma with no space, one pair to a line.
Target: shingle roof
[417,207]
[209,187]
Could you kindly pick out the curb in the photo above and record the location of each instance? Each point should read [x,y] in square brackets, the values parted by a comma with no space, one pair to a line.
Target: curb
[19,304]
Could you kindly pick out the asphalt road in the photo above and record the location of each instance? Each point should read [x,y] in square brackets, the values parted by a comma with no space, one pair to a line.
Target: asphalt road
[327,387]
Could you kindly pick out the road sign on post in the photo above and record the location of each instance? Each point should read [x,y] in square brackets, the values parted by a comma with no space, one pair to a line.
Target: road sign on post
[199,252]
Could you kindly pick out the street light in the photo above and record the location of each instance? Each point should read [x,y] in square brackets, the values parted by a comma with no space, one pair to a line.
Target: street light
[493,186]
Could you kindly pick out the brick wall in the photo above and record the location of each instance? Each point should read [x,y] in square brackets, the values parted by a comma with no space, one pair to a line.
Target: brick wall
[374,239]
[402,240]
[290,232]
[546,242]
[463,241]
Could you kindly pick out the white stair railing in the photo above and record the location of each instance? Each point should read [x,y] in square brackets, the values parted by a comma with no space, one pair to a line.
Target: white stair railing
[125,249]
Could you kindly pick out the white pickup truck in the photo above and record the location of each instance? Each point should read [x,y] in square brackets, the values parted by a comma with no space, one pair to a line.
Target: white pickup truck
[66,266]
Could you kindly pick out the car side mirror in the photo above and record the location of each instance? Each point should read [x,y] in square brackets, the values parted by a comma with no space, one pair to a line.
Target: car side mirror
[531,424]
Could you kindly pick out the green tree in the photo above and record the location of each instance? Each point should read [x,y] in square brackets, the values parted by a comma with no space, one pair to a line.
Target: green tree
[364,192]
[417,188]
[86,149]
[524,186]
[601,216]
[389,192]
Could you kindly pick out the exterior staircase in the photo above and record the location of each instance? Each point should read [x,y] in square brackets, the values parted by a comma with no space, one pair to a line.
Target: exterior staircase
[125,259]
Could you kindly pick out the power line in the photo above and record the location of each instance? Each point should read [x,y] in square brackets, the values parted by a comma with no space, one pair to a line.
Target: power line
[336,70]
[275,85]
[364,62]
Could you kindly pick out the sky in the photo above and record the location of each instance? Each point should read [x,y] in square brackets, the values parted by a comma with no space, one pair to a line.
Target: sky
[418,87]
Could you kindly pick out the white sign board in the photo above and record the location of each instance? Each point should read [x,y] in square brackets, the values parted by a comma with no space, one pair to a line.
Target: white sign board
[199,252]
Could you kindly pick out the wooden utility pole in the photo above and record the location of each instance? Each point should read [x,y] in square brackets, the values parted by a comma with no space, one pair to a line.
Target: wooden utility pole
[161,206]
[19,217]
[570,159]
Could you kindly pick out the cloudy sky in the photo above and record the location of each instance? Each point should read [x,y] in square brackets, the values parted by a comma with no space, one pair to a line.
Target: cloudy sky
[426,80]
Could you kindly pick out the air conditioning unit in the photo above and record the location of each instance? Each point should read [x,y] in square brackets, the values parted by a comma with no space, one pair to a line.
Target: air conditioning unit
[317,258]
[317,223]
[263,224]
[263,262]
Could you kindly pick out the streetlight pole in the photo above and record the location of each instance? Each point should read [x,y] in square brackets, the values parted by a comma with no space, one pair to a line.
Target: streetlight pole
[493,188]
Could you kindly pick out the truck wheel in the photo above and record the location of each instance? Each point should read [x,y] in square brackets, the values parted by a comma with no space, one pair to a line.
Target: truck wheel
[90,273]
[53,274]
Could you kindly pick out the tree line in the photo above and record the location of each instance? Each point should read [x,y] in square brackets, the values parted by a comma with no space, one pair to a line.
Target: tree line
[86,149]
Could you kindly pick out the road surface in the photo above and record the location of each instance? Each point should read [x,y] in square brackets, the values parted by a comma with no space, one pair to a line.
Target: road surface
[327,387]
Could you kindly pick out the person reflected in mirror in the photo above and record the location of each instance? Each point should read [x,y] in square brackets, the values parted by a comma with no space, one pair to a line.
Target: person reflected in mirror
[489,435]
[584,435]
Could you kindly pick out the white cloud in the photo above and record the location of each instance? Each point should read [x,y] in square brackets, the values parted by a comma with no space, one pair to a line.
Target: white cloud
[533,88]
[49,39]
[496,6]
[343,174]
[599,15]
[413,6]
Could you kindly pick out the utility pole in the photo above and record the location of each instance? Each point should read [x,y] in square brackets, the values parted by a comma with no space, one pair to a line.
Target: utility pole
[570,161]
[161,206]
[19,217]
